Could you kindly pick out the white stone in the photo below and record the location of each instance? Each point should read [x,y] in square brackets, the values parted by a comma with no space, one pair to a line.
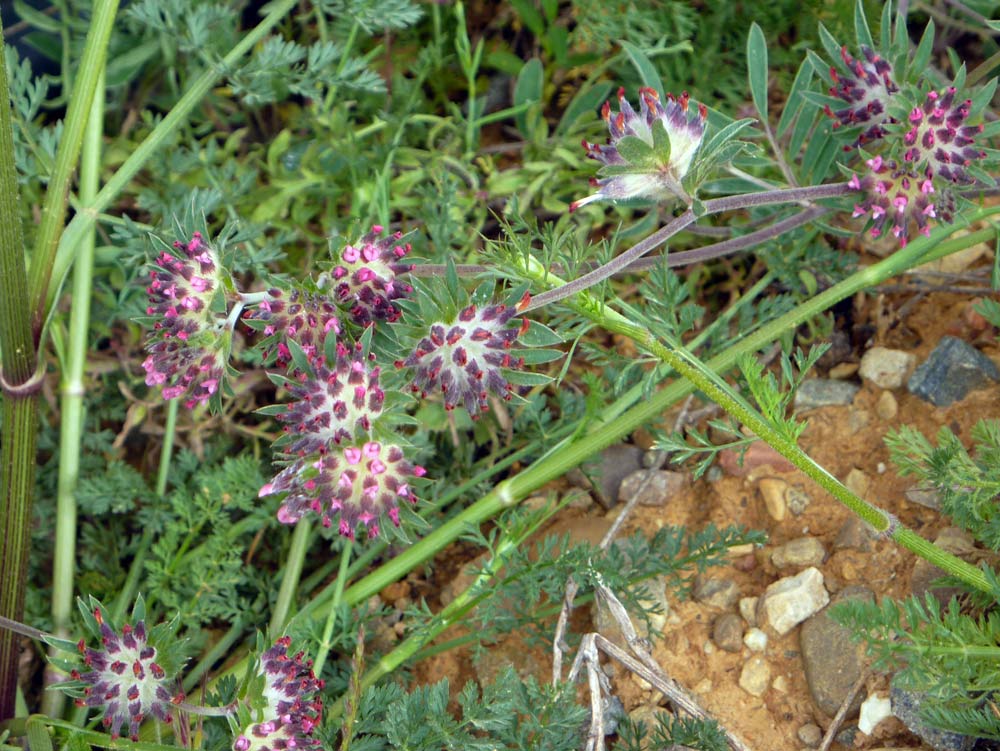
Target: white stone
[874,709]
[748,609]
[755,640]
[755,676]
[886,368]
[791,600]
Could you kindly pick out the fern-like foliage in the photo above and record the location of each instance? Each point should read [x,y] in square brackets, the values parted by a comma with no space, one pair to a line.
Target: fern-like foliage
[968,483]
[952,656]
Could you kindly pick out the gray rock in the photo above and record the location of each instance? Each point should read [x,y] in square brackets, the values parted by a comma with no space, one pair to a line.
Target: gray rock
[810,734]
[924,497]
[797,499]
[727,632]
[821,392]
[951,371]
[614,464]
[789,601]
[854,534]
[906,706]
[886,368]
[833,663]
[662,485]
[716,593]
[798,553]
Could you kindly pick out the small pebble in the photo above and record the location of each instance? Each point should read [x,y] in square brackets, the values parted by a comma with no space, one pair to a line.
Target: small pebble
[789,601]
[886,407]
[798,500]
[951,371]
[755,640]
[717,593]
[748,609]
[772,490]
[854,534]
[727,632]
[780,684]
[924,496]
[755,676]
[657,487]
[858,420]
[874,709]
[819,392]
[810,734]
[886,368]
[857,482]
[799,553]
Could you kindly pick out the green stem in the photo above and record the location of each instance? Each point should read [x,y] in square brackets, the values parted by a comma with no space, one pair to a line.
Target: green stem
[71,406]
[704,378]
[158,137]
[20,405]
[290,579]
[51,226]
[331,618]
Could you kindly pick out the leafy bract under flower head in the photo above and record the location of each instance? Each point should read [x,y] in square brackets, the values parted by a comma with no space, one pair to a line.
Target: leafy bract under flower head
[189,341]
[355,485]
[292,704]
[463,359]
[364,280]
[124,677]
[649,152]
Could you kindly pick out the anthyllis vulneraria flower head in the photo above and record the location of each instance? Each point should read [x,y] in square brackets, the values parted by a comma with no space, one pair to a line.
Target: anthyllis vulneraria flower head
[332,405]
[292,704]
[364,279]
[355,485]
[189,342]
[306,318]
[649,152]
[463,359]
[939,139]
[897,197]
[124,677]
[867,90]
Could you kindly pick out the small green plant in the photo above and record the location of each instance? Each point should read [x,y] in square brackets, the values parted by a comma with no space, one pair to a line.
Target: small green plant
[309,253]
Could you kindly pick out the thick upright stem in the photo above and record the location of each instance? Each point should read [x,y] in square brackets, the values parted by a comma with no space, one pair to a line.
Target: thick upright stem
[20,405]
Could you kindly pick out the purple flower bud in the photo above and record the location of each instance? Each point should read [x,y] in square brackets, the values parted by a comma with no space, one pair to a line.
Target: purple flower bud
[365,280]
[334,405]
[293,708]
[463,359]
[188,344]
[867,93]
[938,139]
[302,317]
[124,679]
[655,170]
[355,485]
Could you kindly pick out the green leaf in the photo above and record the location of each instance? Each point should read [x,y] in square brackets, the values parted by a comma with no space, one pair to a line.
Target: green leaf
[540,335]
[524,378]
[528,89]
[922,55]
[830,45]
[757,69]
[125,66]
[530,17]
[636,152]
[644,67]
[862,33]
[36,18]
[661,142]
[793,105]
[586,100]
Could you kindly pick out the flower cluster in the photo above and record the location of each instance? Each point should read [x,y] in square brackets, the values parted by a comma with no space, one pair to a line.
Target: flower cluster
[303,317]
[463,359]
[939,138]
[895,196]
[333,405]
[365,281]
[867,94]
[356,484]
[293,707]
[188,344]
[124,678]
[649,152]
